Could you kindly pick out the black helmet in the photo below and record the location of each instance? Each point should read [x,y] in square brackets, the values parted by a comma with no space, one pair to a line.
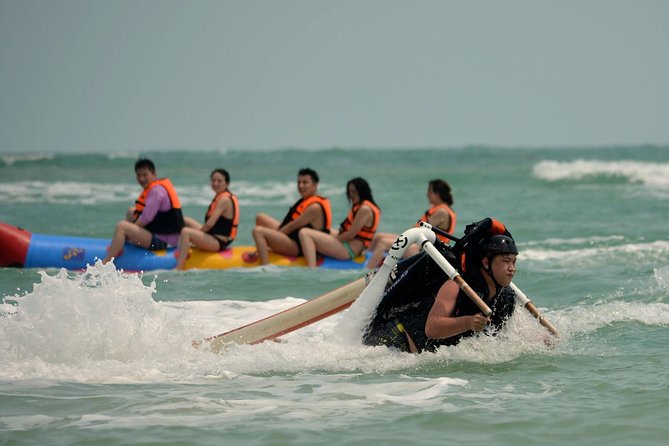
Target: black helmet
[498,244]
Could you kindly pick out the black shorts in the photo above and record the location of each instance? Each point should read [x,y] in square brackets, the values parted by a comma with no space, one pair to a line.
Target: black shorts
[157,244]
[222,244]
[294,236]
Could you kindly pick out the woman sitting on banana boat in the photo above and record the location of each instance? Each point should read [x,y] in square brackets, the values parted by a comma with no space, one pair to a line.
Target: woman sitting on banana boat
[355,233]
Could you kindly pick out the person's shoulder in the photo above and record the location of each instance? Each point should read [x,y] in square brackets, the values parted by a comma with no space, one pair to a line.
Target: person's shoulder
[368,205]
[448,289]
[317,201]
[441,210]
[158,189]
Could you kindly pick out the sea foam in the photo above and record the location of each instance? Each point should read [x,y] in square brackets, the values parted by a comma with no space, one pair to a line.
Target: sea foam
[103,325]
[654,175]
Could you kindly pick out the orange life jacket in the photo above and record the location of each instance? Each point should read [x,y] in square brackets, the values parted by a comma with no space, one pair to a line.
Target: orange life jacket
[226,227]
[366,233]
[298,208]
[451,215]
[167,222]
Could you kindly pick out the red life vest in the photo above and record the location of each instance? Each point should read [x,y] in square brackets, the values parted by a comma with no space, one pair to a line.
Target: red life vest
[226,227]
[366,233]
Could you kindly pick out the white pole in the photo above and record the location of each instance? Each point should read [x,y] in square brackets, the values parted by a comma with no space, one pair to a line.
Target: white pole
[439,259]
[525,302]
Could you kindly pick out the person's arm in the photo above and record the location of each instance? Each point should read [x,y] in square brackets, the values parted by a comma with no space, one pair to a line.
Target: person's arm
[222,205]
[440,322]
[310,214]
[364,215]
[440,219]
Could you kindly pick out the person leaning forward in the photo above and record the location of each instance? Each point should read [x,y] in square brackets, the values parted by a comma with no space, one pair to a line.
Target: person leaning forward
[310,211]
[429,310]
[156,219]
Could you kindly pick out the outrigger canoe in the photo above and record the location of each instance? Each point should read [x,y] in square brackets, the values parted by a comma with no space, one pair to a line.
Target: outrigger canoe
[22,249]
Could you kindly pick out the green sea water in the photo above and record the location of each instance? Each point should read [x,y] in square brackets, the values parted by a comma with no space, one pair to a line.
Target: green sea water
[102,357]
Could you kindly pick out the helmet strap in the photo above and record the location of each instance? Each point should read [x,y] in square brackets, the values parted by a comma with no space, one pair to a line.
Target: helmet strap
[492,276]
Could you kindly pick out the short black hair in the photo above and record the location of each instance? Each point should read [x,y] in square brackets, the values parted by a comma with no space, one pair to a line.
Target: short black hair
[311,172]
[145,163]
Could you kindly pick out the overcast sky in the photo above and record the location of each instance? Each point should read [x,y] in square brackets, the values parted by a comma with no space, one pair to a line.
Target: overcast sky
[116,75]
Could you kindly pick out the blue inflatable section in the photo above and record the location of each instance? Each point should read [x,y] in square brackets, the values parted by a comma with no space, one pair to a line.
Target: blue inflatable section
[75,253]
[51,251]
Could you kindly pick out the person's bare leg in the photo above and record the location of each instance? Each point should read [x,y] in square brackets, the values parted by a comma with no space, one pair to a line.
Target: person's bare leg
[267,221]
[127,231]
[262,247]
[199,239]
[319,242]
[379,252]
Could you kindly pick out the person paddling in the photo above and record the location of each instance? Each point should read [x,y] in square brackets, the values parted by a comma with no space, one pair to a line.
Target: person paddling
[423,309]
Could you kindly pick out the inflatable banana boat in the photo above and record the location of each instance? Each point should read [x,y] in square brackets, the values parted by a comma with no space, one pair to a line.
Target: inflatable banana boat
[22,249]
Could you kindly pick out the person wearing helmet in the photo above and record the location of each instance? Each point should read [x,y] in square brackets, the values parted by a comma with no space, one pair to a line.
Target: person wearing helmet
[489,271]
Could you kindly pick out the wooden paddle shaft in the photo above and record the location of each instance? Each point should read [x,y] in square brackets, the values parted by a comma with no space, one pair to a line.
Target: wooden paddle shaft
[456,277]
[291,319]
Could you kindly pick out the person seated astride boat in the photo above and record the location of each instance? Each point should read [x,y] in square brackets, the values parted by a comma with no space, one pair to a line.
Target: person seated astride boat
[355,232]
[440,216]
[220,221]
[422,309]
[311,211]
[156,219]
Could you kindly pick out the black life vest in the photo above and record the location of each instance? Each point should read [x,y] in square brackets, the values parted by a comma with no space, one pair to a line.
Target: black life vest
[502,306]
[226,227]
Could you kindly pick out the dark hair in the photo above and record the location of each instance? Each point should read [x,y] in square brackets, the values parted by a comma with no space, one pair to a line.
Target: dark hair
[223,172]
[311,172]
[362,186]
[442,188]
[145,163]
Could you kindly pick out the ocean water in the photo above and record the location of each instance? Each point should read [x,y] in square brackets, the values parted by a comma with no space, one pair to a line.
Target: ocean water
[103,357]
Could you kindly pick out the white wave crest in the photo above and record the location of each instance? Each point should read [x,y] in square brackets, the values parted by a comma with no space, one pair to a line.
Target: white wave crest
[16,158]
[659,249]
[650,174]
[88,193]
[594,240]
[66,192]
[661,276]
[586,319]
